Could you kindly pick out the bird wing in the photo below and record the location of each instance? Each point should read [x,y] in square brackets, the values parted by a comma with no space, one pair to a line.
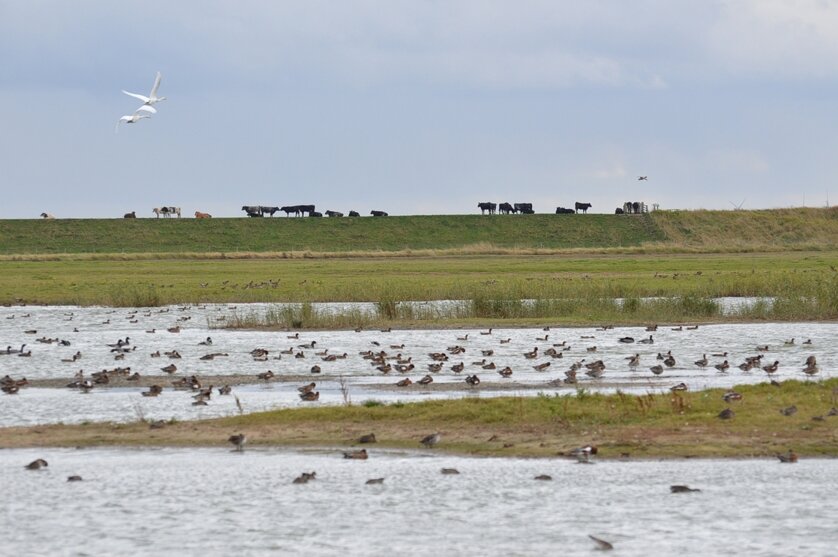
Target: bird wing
[118,122]
[146,108]
[156,85]
[136,96]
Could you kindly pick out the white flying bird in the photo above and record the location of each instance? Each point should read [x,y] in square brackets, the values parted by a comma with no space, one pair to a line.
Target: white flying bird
[152,97]
[137,116]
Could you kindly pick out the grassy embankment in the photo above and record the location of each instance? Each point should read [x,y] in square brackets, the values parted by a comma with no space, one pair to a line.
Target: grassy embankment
[171,261]
[670,425]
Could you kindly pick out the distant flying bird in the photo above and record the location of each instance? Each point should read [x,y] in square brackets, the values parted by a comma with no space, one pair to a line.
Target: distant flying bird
[152,97]
[642,177]
[136,117]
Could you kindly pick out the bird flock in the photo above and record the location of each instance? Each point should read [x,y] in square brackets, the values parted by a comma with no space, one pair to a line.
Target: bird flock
[145,110]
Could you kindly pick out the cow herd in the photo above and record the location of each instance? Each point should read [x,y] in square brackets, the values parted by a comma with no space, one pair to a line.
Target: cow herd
[299,210]
[525,208]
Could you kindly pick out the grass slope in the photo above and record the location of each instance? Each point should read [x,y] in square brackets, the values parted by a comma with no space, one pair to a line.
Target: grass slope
[702,230]
[280,234]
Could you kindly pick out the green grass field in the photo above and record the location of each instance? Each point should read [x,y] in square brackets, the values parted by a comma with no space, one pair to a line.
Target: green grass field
[664,230]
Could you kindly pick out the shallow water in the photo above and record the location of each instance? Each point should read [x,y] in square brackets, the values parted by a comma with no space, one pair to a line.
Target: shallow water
[216,502]
[98,327]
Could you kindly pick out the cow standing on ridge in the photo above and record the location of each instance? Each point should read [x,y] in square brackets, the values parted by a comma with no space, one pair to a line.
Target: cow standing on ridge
[487,206]
[583,206]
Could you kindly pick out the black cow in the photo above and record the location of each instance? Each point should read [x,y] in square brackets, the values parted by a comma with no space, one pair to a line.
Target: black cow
[252,210]
[288,209]
[619,211]
[306,209]
[315,214]
[378,213]
[131,215]
[583,206]
[524,208]
[563,211]
[505,208]
[269,210]
[334,214]
[487,206]
[354,214]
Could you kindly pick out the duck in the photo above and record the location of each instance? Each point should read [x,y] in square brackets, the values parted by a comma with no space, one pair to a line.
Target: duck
[726,414]
[601,544]
[310,396]
[473,380]
[657,370]
[702,362]
[720,355]
[457,368]
[489,332]
[449,472]
[315,369]
[543,477]
[649,340]
[789,458]
[406,382]
[722,367]
[307,388]
[531,355]
[730,396]
[679,387]
[541,367]
[584,454]
[491,365]
[789,410]
[238,441]
[430,441]
[153,390]
[505,372]
[682,489]
[207,342]
[374,481]
[771,368]
[811,366]
[368,438]
[427,380]
[266,375]
[171,368]
[789,342]
[634,361]
[360,454]
[627,340]
[807,341]
[37,464]
[669,361]
[463,337]
[505,340]
[225,390]
[305,477]
[435,367]
[488,352]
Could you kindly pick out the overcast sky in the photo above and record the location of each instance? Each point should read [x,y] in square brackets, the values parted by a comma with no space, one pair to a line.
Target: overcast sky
[417,107]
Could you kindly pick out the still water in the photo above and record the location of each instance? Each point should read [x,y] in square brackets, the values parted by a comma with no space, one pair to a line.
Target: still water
[90,331]
[216,502]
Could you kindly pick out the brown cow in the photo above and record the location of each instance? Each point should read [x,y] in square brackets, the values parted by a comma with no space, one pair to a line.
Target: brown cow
[200,215]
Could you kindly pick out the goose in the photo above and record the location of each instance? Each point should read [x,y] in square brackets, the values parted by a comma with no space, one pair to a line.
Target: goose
[649,340]
[137,115]
[207,342]
[489,332]
[463,337]
[542,339]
